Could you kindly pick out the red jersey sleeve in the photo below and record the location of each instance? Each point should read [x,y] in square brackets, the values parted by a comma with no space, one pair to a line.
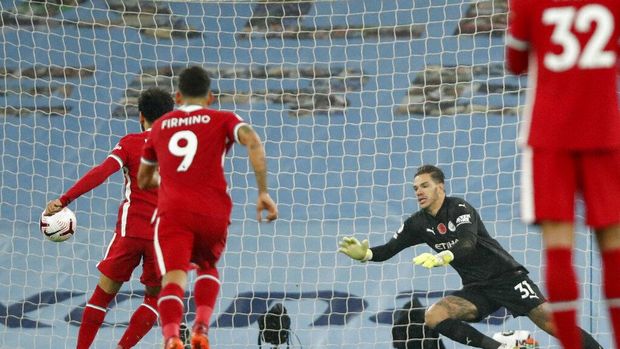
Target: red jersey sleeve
[234,122]
[518,37]
[120,152]
[91,179]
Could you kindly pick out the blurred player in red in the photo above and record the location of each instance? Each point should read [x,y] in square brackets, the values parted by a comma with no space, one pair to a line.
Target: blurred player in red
[189,145]
[571,135]
[133,238]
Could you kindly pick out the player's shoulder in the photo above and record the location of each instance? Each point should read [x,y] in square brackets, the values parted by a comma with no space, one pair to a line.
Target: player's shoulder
[416,217]
[225,114]
[199,111]
[132,142]
[458,203]
[533,8]
[530,5]
[521,5]
[134,137]
[175,113]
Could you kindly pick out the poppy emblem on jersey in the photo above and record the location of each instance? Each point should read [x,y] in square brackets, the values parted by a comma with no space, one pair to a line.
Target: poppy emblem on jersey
[451,226]
[441,228]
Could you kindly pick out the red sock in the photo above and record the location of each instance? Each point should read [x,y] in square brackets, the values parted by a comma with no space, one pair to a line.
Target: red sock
[206,289]
[170,306]
[93,316]
[563,295]
[140,323]
[611,286]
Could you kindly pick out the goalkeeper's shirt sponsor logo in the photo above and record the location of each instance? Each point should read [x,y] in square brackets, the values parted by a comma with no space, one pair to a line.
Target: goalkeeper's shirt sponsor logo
[445,245]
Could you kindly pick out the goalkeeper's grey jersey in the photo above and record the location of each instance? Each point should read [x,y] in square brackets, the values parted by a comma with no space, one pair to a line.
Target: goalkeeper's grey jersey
[478,258]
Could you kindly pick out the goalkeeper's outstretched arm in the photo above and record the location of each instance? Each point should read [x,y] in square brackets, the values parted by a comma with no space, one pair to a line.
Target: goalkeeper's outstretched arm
[361,251]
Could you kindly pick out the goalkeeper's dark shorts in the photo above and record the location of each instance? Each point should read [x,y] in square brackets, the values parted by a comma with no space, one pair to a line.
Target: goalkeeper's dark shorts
[514,291]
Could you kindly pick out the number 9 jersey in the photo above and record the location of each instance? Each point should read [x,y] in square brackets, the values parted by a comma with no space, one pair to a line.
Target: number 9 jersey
[189,145]
[571,47]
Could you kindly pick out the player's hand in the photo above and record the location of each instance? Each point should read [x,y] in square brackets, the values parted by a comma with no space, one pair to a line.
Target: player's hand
[265,202]
[355,249]
[53,207]
[429,260]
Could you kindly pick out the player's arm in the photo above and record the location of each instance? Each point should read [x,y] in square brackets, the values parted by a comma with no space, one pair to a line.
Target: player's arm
[256,153]
[517,38]
[92,179]
[361,251]
[148,177]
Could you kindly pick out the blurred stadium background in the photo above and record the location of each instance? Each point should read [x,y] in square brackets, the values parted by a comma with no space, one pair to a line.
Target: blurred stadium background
[351,96]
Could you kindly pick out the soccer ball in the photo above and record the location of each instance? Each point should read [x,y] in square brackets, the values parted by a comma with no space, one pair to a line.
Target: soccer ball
[59,226]
[516,339]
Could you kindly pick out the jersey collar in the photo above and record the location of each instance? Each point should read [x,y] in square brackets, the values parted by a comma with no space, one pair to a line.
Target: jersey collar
[190,108]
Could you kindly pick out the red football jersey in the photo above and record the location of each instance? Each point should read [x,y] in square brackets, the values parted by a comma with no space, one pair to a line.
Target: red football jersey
[137,209]
[189,145]
[571,47]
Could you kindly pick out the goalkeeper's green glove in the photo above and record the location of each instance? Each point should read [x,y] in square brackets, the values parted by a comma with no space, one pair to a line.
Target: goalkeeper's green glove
[429,260]
[355,249]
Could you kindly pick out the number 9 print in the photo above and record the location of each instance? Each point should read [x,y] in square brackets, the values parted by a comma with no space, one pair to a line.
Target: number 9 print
[187,151]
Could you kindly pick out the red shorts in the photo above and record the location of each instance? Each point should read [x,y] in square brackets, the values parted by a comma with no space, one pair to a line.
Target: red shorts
[551,178]
[124,255]
[183,238]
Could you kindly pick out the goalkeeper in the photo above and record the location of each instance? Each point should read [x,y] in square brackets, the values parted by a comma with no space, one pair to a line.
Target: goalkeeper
[491,277]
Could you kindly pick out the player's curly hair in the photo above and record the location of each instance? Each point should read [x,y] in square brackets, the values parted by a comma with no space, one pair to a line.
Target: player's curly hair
[436,174]
[194,82]
[155,102]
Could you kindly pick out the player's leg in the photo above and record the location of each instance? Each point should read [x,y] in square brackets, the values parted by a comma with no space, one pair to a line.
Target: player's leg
[609,244]
[95,310]
[170,305]
[206,289]
[541,316]
[208,247]
[142,319]
[549,184]
[173,245]
[447,317]
[561,280]
[146,314]
[113,274]
[603,214]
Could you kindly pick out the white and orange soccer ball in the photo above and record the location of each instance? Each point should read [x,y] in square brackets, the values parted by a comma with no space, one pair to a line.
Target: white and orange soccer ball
[59,226]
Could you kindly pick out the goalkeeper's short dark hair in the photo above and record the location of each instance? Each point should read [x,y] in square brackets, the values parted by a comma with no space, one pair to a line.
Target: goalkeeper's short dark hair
[155,102]
[194,82]
[436,173]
